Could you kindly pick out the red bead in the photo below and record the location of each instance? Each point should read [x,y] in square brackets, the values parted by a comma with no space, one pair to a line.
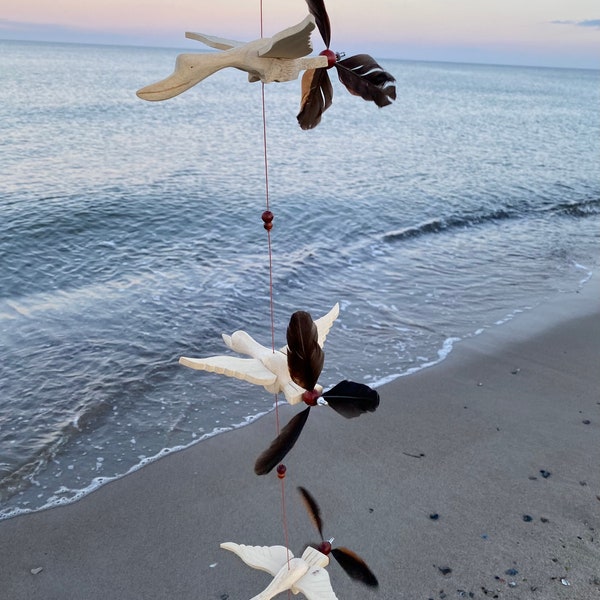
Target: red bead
[267,218]
[281,469]
[325,548]
[311,398]
[331,57]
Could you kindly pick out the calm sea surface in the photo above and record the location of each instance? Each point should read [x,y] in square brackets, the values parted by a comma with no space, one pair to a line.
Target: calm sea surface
[130,234]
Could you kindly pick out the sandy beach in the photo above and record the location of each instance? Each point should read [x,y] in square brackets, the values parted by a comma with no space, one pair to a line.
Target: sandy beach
[476,478]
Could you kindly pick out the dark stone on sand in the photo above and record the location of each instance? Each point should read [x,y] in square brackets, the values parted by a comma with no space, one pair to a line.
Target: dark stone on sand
[527,518]
[445,570]
[511,572]
[544,520]
[434,516]
[586,421]
[545,474]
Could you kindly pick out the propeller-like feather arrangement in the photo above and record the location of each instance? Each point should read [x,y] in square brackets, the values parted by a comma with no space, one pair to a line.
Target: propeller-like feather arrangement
[361,75]
[352,564]
[305,360]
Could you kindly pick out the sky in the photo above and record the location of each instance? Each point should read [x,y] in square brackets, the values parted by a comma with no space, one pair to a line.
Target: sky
[559,33]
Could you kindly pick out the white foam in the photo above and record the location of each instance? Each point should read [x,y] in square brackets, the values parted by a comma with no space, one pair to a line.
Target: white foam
[77,494]
[442,353]
[588,273]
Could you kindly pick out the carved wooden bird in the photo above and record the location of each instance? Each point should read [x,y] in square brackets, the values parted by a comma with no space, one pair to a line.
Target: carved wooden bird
[305,575]
[278,58]
[266,367]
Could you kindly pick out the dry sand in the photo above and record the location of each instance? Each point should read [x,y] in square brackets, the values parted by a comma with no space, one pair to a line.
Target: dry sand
[501,441]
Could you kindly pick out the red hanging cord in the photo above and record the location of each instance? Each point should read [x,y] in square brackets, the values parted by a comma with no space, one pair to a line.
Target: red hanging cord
[267,218]
[268,215]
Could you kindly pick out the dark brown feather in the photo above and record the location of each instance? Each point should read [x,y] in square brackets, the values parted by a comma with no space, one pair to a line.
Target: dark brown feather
[282,444]
[313,509]
[317,94]
[364,77]
[354,566]
[304,355]
[351,399]
[317,9]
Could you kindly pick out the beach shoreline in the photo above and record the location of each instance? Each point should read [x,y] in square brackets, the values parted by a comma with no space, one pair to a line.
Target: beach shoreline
[477,477]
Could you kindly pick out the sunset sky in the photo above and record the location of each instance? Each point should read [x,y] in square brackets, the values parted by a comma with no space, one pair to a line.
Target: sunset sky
[527,32]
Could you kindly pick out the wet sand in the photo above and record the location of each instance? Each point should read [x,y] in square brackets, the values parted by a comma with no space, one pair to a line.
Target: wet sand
[478,477]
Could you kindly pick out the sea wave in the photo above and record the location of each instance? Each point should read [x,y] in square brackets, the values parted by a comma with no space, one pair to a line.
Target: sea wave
[582,208]
[438,224]
[576,208]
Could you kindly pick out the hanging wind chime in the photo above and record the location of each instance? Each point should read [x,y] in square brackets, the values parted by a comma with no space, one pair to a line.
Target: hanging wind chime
[295,368]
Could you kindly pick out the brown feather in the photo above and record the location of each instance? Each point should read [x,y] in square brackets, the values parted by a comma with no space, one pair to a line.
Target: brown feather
[317,9]
[313,509]
[354,566]
[282,444]
[304,355]
[317,94]
[364,77]
[351,399]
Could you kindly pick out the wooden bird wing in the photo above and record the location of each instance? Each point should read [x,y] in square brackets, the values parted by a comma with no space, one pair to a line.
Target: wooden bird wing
[264,558]
[213,42]
[325,322]
[293,42]
[315,585]
[247,369]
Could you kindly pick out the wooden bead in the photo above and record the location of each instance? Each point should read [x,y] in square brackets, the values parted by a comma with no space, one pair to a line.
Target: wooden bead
[331,57]
[311,398]
[267,218]
[325,548]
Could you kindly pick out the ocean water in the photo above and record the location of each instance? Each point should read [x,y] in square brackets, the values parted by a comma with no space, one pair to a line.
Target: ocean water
[131,234]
